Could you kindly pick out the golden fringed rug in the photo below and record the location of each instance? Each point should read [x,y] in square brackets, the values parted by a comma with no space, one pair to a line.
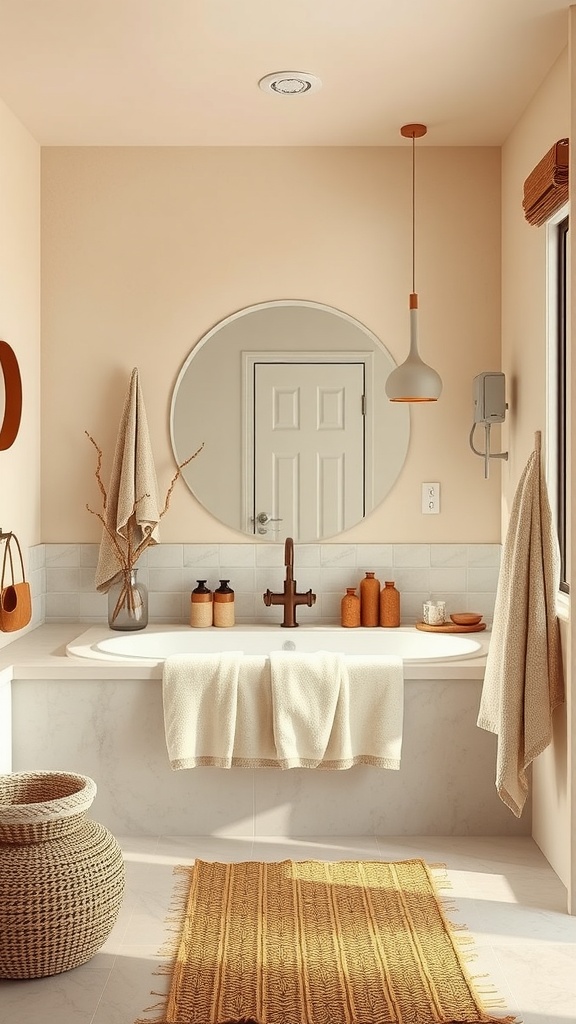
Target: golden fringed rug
[314,942]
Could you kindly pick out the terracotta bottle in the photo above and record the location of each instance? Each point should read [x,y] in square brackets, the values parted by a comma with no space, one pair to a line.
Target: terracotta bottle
[350,608]
[389,605]
[224,605]
[201,605]
[370,600]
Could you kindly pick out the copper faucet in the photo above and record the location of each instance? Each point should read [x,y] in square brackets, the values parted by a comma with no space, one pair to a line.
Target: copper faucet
[289,597]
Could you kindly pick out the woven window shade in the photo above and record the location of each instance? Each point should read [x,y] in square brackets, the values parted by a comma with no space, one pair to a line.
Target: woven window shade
[546,187]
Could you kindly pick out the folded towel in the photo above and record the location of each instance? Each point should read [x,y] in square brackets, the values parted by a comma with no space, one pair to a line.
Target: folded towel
[335,711]
[305,691]
[369,716]
[523,682]
[200,696]
[221,710]
[132,507]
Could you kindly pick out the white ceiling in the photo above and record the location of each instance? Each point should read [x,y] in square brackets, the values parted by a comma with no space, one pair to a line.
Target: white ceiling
[185,72]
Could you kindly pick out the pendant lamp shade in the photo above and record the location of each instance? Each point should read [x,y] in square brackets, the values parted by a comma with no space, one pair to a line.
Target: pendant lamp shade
[413,380]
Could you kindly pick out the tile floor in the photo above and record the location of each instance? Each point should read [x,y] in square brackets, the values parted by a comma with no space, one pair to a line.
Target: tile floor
[504,891]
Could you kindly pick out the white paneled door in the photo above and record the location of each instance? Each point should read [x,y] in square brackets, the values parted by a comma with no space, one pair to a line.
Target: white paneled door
[308,448]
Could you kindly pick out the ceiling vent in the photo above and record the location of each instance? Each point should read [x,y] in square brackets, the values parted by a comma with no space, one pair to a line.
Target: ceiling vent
[290,83]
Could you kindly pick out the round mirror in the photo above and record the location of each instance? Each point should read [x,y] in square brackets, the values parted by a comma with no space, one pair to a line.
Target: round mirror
[299,438]
[10,396]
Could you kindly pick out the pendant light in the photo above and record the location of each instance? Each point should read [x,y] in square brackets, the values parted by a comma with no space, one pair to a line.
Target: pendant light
[413,380]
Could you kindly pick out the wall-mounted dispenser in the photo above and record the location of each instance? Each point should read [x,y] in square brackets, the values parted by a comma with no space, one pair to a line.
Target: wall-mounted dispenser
[490,406]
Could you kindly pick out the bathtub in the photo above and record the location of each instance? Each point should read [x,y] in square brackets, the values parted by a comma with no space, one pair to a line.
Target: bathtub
[156,643]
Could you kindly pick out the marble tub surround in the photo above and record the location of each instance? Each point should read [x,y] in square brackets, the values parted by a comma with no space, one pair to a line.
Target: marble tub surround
[113,731]
[464,575]
[106,721]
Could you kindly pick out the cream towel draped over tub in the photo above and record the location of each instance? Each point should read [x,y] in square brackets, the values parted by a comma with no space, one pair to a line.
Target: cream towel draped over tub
[131,512]
[523,682]
[285,710]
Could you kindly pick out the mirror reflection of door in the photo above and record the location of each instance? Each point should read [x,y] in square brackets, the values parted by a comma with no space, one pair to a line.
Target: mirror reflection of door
[213,402]
[308,448]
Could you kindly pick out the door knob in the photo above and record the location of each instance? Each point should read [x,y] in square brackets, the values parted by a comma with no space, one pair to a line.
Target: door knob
[264,518]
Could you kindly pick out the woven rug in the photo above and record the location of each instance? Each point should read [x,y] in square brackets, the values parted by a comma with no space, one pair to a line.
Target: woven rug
[314,942]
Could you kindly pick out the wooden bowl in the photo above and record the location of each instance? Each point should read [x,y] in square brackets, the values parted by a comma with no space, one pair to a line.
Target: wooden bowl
[466,618]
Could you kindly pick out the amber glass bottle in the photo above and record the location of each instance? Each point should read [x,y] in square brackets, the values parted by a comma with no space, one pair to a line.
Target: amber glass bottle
[369,600]
[389,605]
[350,608]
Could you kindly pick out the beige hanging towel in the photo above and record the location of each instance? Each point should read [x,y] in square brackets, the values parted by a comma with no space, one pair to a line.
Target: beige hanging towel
[524,681]
[132,507]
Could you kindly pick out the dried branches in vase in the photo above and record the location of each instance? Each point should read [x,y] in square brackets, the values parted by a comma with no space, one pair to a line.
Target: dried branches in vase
[128,545]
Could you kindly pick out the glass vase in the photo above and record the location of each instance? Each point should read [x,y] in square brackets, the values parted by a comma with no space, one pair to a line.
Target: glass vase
[128,602]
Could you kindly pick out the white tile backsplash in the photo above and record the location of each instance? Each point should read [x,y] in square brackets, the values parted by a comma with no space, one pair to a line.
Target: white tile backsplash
[411,555]
[62,580]
[89,555]
[377,556]
[444,580]
[201,555]
[483,579]
[337,555]
[63,555]
[484,555]
[237,555]
[444,555]
[165,556]
[464,575]
[166,581]
[36,557]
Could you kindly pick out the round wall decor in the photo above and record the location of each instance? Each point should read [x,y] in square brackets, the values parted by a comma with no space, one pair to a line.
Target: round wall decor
[12,396]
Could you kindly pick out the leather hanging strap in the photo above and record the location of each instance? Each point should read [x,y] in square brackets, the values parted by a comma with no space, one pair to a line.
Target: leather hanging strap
[8,555]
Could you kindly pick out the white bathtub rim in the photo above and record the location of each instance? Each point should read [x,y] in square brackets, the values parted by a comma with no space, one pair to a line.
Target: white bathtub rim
[87,645]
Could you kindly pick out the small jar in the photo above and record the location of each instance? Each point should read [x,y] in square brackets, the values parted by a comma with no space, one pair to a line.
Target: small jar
[389,605]
[370,600]
[350,608]
[201,605]
[434,613]
[224,605]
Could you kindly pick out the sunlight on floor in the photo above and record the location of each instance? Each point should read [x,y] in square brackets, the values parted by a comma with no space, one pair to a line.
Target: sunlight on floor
[502,891]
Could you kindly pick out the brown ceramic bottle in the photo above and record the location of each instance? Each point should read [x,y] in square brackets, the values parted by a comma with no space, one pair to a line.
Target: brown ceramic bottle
[350,608]
[370,600]
[201,605]
[389,605]
[224,605]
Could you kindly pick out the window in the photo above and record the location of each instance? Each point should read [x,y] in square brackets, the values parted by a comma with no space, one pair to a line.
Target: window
[558,385]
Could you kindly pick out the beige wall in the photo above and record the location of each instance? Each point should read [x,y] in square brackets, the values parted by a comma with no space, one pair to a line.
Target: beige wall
[20,324]
[546,119]
[571,630]
[145,249]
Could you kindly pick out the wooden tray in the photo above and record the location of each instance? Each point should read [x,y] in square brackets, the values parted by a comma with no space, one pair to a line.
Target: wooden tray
[451,627]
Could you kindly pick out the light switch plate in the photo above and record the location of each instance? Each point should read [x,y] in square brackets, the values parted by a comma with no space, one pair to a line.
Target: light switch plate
[430,499]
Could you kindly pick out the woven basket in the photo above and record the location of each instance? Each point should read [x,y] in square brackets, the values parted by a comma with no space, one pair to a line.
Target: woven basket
[61,874]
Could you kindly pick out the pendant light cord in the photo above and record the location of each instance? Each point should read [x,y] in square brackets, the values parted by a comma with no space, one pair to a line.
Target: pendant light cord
[413,213]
